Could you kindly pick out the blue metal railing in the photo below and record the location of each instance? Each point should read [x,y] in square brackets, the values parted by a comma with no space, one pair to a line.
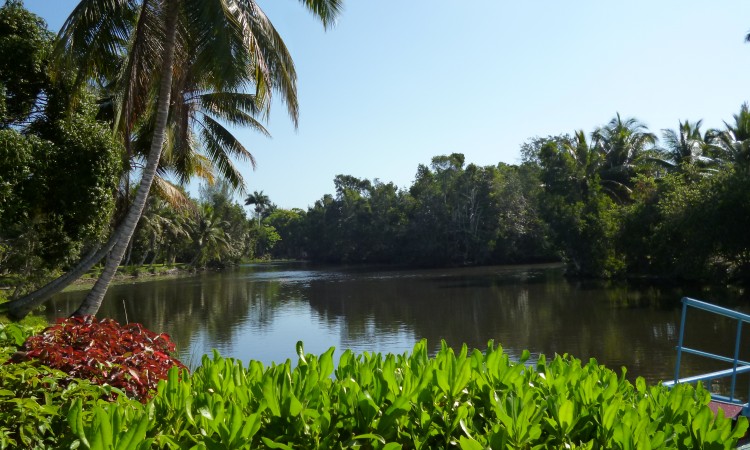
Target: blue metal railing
[738,366]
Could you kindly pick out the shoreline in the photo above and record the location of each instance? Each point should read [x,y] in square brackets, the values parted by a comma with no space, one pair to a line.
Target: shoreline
[86,282]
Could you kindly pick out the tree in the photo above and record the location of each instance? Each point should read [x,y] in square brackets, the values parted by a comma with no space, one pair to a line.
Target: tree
[209,236]
[625,144]
[583,220]
[289,224]
[25,46]
[261,202]
[58,166]
[734,141]
[248,44]
[686,146]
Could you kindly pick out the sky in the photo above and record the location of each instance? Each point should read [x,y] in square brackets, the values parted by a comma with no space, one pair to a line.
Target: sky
[396,82]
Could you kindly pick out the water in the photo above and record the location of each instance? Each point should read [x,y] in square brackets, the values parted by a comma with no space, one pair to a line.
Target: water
[260,311]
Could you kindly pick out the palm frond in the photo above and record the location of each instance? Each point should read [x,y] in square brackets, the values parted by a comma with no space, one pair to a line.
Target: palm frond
[140,72]
[171,194]
[91,41]
[326,10]
[214,147]
[271,61]
[232,108]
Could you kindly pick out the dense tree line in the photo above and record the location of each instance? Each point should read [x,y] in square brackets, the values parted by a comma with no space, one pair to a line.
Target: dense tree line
[617,201]
[453,214]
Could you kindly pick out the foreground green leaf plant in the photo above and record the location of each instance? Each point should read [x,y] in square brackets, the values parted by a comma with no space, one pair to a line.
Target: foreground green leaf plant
[465,400]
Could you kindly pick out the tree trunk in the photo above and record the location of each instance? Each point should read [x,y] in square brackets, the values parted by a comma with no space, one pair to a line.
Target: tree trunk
[124,232]
[19,308]
[129,252]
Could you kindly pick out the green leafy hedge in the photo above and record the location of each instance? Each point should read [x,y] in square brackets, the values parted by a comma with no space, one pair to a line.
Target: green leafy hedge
[470,400]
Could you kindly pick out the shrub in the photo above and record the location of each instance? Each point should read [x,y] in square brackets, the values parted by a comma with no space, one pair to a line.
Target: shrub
[128,357]
[469,401]
[34,399]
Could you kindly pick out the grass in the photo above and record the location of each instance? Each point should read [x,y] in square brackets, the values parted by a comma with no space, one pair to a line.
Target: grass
[32,320]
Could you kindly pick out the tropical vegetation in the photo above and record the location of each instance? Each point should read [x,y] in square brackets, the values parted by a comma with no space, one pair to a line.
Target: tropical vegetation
[613,202]
[168,78]
[468,400]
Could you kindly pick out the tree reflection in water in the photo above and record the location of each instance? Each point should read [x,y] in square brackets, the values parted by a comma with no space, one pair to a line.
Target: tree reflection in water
[260,311]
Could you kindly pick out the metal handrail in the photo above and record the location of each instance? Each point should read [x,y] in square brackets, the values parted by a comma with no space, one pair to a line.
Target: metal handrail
[736,362]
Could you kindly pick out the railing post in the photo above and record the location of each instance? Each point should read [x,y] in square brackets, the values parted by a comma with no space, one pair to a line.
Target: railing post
[736,357]
[679,342]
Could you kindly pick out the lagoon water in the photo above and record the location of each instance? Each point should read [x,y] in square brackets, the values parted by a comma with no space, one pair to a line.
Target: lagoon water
[260,311]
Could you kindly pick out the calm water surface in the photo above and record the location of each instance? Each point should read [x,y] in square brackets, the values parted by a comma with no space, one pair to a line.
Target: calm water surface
[261,311]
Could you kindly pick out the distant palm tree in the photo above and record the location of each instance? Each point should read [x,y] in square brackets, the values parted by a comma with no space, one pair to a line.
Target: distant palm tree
[588,159]
[734,141]
[686,147]
[625,146]
[209,236]
[261,202]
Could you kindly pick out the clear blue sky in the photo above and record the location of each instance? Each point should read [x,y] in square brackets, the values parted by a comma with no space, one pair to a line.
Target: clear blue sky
[398,82]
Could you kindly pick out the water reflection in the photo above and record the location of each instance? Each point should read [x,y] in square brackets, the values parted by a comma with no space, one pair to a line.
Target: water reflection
[260,311]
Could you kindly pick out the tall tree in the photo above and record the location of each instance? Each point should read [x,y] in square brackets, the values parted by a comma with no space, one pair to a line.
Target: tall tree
[261,202]
[686,146]
[625,144]
[734,141]
[58,165]
[242,43]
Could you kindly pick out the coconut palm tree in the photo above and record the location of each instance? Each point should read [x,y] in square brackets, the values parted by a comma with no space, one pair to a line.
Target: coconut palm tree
[625,146]
[248,50]
[686,146]
[588,160]
[238,47]
[734,141]
[209,236]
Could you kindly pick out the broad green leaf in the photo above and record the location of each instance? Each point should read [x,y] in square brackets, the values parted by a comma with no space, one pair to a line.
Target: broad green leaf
[269,395]
[565,414]
[301,352]
[271,444]
[469,444]
[326,363]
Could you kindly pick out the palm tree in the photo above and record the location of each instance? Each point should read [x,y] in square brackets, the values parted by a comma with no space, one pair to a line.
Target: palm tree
[734,141]
[261,202]
[625,145]
[239,47]
[209,236]
[588,160]
[686,147]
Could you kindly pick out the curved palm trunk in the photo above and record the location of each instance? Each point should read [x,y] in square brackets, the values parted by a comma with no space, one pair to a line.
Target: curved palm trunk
[124,232]
[19,308]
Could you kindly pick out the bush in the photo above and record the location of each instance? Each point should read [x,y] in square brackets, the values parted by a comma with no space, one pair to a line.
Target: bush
[34,399]
[128,357]
[467,401]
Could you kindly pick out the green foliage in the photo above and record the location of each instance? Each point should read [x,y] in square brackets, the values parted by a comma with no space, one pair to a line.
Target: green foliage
[34,399]
[452,215]
[57,192]
[289,224]
[128,357]
[59,167]
[25,45]
[467,400]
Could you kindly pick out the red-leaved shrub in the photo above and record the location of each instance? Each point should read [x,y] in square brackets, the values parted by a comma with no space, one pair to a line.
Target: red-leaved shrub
[128,357]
